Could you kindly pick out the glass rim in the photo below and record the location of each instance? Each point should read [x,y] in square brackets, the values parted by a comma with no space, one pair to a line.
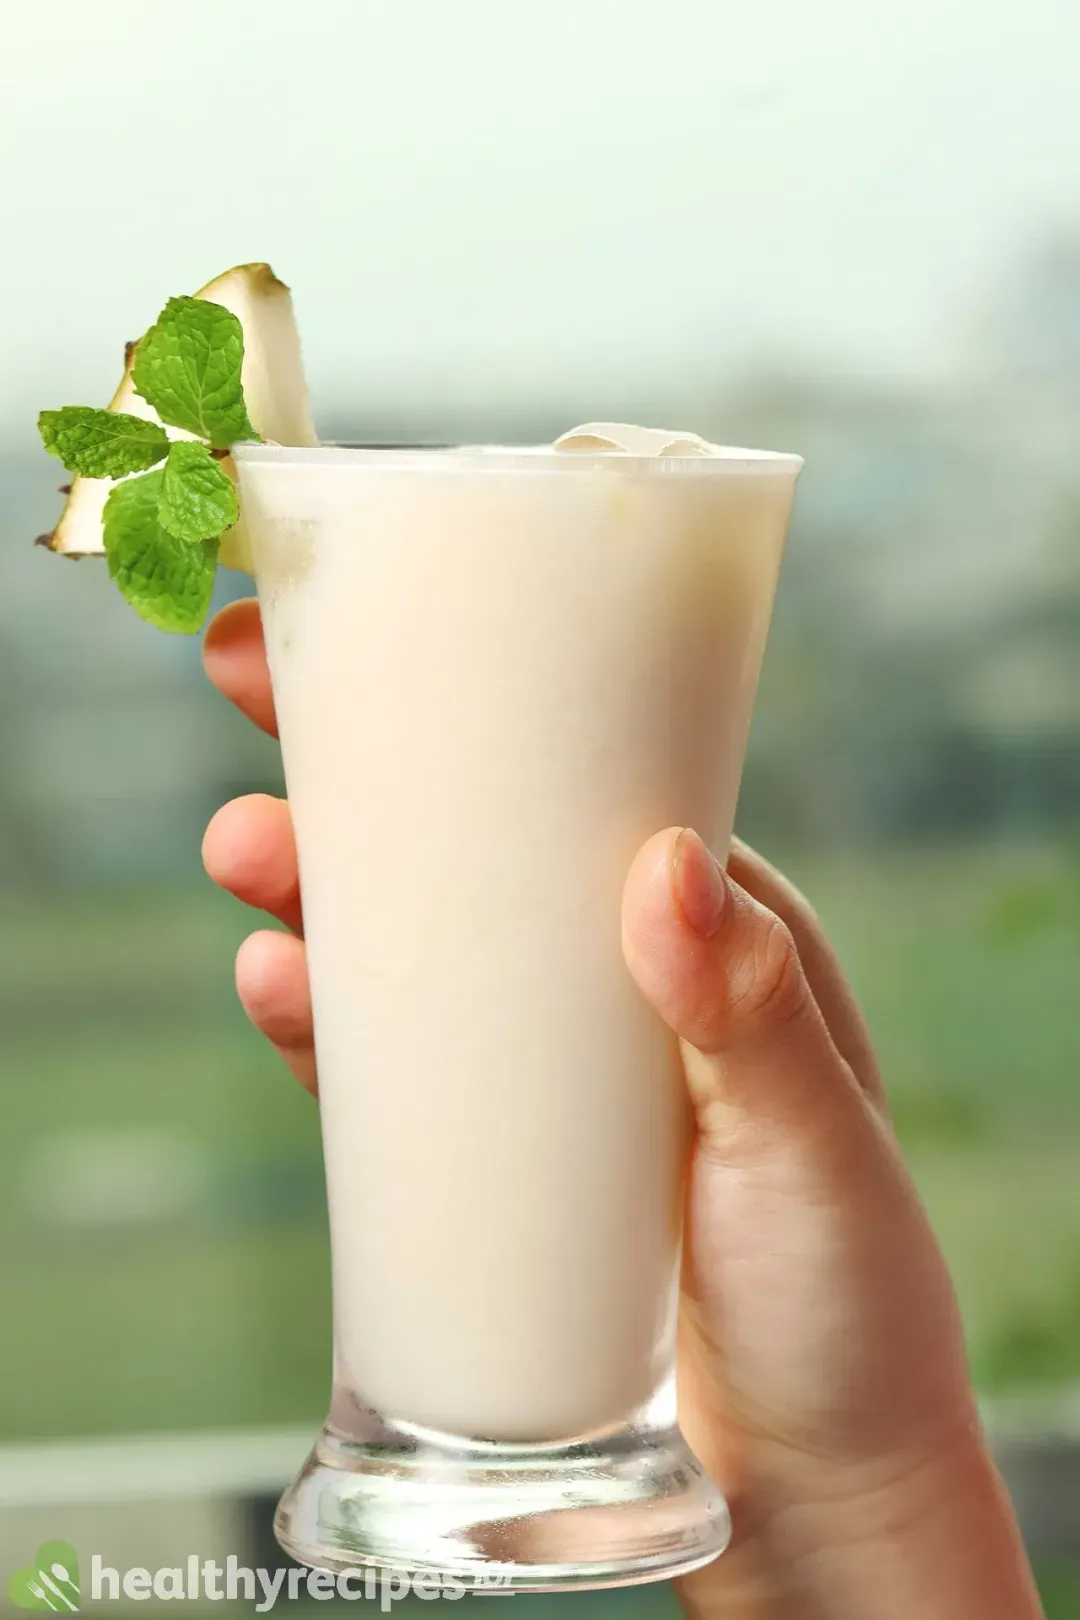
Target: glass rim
[516,458]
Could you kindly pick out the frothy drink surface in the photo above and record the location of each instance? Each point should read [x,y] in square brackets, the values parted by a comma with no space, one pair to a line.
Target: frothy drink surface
[494,679]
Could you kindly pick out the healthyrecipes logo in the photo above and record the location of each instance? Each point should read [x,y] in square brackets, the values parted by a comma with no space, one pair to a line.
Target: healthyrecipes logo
[52,1582]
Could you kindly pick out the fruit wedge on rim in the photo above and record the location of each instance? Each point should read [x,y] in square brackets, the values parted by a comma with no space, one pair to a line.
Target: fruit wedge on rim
[275,390]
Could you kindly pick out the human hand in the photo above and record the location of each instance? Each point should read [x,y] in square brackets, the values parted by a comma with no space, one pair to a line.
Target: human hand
[822,1378]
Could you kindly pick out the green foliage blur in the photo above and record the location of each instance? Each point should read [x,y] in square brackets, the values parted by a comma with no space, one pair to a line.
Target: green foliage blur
[162,1177]
[1060,1593]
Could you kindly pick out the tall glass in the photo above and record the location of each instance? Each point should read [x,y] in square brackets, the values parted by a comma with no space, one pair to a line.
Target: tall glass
[496,673]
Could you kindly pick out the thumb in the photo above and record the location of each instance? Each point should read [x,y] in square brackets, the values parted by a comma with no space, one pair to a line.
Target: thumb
[815,1279]
[724,973]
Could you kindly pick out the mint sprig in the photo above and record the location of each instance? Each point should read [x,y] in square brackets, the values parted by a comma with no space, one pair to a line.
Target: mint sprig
[162,530]
[102,444]
[188,368]
[167,581]
[198,501]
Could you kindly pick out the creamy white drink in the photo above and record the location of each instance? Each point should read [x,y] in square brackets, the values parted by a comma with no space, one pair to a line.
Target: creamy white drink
[496,674]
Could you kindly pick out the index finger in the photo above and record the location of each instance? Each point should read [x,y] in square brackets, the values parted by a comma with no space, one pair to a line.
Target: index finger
[824,974]
[234,657]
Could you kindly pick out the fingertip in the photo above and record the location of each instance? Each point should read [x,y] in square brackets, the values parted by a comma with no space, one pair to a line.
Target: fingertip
[660,949]
[647,896]
[236,622]
[265,963]
[699,885]
[234,658]
[217,847]
[272,983]
[250,851]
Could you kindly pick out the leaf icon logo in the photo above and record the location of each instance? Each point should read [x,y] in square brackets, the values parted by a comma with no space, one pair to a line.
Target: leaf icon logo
[50,1582]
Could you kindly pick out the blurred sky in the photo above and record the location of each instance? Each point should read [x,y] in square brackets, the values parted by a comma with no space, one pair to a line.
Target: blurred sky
[478,198]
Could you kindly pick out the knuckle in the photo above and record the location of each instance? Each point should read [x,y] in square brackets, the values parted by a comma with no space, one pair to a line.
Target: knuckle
[772,989]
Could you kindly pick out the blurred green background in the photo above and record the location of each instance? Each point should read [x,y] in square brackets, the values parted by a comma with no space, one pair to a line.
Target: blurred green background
[852,232]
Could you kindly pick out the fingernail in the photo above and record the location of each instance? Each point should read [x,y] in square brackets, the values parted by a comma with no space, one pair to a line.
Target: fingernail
[699,884]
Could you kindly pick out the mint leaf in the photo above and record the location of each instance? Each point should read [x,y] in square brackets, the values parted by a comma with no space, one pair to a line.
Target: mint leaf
[102,444]
[167,581]
[188,368]
[198,501]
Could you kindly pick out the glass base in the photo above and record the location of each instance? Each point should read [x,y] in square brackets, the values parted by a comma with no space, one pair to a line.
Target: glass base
[624,1507]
